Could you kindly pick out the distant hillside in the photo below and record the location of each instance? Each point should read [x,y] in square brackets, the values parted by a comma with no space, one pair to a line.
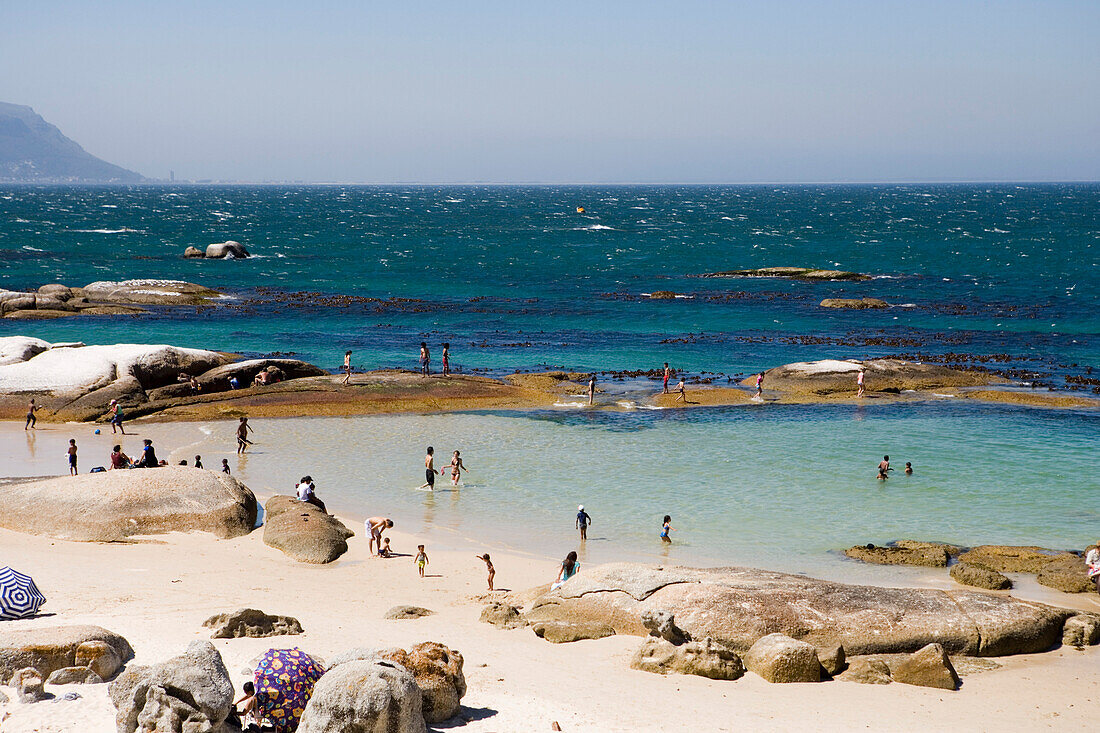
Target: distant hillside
[34,151]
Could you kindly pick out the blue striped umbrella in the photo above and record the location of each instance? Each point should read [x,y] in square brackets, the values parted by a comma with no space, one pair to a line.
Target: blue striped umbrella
[19,596]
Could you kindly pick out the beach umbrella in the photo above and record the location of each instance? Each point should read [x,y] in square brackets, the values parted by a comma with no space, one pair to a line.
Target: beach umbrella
[19,596]
[284,684]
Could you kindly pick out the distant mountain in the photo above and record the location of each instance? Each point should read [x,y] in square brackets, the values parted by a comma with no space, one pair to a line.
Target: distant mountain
[34,151]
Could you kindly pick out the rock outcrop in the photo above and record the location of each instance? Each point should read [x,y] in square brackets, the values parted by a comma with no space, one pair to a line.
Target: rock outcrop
[191,692]
[438,673]
[779,658]
[705,658]
[217,379]
[403,613]
[793,273]
[738,606]
[251,622]
[855,303]
[303,531]
[1068,574]
[365,696]
[831,376]
[927,667]
[1081,630]
[73,676]
[228,248]
[50,648]
[933,556]
[113,505]
[147,292]
[1013,559]
[502,615]
[979,577]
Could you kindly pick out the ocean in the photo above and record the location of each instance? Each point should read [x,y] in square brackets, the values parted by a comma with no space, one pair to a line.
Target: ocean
[1000,276]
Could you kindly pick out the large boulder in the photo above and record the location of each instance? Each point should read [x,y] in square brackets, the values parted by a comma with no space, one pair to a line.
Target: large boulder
[149,292]
[193,252]
[779,658]
[13,301]
[502,615]
[217,379]
[1081,630]
[867,671]
[438,673]
[251,622]
[15,349]
[1013,559]
[303,531]
[563,632]
[100,657]
[1067,573]
[927,667]
[229,248]
[50,648]
[364,696]
[738,606]
[112,505]
[933,556]
[73,676]
[979,577]
[832,376]
[704,658]
[191,693]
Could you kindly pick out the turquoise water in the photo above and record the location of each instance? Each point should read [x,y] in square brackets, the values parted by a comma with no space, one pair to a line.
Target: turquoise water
[514,278]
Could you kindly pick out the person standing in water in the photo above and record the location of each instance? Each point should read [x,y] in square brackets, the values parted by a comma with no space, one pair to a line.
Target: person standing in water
[429,470]
[592,389]
[666,374]
[446,359]
[859,383]
[666,529]
[583,520]
[884,468]
[759,385]
[425,359]
[489,567]
[456,467]
[908,468]
[72,457]
[242,435]
[225,466]
[347,367]
[115,413]
[32,421]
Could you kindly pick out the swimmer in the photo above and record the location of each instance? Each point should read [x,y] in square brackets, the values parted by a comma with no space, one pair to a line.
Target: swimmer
[909,468]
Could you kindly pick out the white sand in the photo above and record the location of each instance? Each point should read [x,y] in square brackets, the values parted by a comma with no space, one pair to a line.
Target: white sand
[157,591]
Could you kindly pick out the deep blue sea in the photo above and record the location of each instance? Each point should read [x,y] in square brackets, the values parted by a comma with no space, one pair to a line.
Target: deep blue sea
[1002,276]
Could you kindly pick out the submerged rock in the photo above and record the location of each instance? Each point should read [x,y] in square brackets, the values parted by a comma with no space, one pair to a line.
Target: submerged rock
[113,505]
[251,622]
[738,606]
[854,303]
[303,531]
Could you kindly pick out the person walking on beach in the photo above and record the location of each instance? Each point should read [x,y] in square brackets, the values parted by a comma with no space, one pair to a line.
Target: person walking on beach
[421,559]
[569,568]
[489,567]
[115,413]
[759,386]
[859,382]
[583,520]
[429,470]
[72,457]
[446,359]
[665,377]
[32,421]
[425,359]
[666,529]
[347,367]
[592,389]
[242,435]
[681,396]
[456,467]
[884,468]
[375,527]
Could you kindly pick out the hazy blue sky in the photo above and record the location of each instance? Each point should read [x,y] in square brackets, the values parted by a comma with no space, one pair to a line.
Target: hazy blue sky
[567,91]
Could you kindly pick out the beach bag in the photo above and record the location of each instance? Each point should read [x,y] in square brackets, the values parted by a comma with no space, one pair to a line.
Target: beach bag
[98,469]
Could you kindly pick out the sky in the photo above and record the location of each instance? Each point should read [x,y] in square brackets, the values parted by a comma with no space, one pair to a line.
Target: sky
[567,92]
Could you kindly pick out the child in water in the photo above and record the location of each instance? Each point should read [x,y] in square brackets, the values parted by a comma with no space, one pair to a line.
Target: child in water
[225,465]
[666,528]
[421,559]
[908,467]
[489,566]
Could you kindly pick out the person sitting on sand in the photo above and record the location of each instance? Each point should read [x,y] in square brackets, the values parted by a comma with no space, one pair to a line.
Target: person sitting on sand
[347,367]
[375,527]
[1092,563]
[583,520]
[386,551]
[119,459]
[429,470]
[456,467]
[242,435]
[909,468]
[666,529]
[421,559]
[489,566]
[148,456]
[32,421]
[569,568]
[305,489]
[884,468]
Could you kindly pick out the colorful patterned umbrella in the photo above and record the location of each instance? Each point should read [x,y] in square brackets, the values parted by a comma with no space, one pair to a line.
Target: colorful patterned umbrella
[284,684]
[19,596]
